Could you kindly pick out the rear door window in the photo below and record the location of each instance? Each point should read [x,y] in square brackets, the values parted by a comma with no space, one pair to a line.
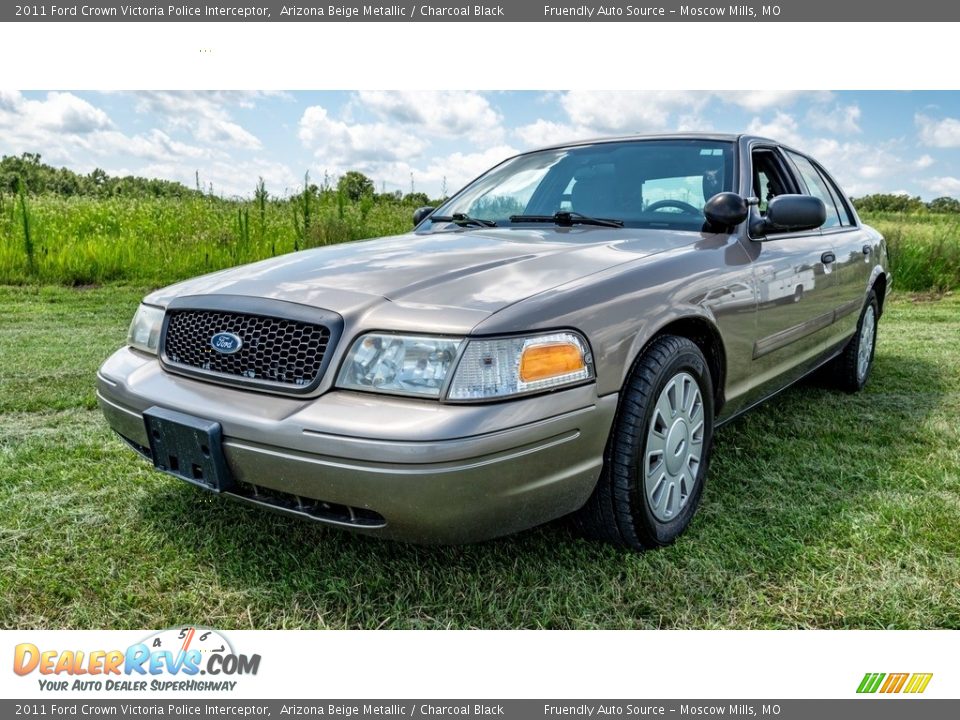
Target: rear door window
[843,205]
[816,187]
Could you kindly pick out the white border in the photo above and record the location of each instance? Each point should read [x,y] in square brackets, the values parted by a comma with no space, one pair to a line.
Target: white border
[543,664]
[682,664]
[481,56]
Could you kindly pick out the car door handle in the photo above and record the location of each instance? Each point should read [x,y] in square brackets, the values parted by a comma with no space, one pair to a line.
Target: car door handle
[827,258]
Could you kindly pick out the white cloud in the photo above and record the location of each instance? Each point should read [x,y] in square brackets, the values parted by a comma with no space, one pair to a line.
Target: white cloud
[64,128]
[440,113]
[461,168]
[590,113]
[545,132]
[203,114]
[389,155]
[840,119]
[65,112]
[9,99]
[394,149]
[759,100]
[60,112]
[862,168]
[693,122]
[153,145]
[354,146]
[599,112]
[943,133]
[782,128]
[943,186]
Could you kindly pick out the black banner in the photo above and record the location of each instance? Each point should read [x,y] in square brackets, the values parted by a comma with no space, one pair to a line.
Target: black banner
[507,11]
[872,708]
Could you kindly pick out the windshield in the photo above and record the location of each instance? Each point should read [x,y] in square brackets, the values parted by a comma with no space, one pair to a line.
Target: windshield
[643,183]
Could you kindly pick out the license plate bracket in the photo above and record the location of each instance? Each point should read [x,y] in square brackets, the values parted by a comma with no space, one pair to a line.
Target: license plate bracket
[188,447]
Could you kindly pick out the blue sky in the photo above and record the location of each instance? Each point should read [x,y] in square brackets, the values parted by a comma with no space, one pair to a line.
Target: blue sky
[872,141]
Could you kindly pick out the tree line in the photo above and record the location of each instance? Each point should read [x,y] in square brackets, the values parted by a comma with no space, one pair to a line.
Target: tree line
[887,202]
[39,178]
[27,174]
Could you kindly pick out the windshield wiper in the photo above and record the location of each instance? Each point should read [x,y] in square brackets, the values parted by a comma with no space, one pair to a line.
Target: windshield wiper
[463,220]
[567,218]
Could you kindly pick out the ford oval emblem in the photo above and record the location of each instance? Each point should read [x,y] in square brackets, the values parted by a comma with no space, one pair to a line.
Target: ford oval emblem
[226,343]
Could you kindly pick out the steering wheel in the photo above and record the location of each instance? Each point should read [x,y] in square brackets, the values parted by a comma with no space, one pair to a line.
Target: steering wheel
[685,208]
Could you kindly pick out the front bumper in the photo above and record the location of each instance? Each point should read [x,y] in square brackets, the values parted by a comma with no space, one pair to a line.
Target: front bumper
[406,469]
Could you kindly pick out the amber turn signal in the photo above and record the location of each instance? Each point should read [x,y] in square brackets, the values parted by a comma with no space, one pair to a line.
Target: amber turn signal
[539,362]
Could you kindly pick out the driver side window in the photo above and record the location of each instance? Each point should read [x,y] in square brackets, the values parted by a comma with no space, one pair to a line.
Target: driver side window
[769,178]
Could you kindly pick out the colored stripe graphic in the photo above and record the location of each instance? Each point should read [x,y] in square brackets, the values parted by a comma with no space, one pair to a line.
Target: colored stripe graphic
[894,683]
[870,682]
[918,682]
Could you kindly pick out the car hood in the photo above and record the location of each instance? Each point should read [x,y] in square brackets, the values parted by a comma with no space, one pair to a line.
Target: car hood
[477,271]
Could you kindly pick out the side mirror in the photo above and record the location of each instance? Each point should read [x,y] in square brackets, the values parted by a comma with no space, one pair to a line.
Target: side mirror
[790,213]
[420,214]
[726,210]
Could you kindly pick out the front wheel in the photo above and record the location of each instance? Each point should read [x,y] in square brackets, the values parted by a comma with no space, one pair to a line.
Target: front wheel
[659,448]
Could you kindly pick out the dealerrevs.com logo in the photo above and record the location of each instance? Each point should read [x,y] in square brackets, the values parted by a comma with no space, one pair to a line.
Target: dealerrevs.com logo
[891,683]
[179,659]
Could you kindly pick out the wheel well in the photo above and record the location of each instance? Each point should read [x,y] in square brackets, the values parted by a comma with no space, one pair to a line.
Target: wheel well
[880,288]
[706,337]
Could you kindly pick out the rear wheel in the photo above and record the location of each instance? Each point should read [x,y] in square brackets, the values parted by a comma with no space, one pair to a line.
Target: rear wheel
[851,369]
[658,451]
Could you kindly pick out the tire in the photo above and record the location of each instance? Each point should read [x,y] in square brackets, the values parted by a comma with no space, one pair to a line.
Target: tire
[851,369]
[626,508]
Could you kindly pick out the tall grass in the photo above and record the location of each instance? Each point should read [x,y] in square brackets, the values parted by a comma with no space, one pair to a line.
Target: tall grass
[81,241]
[155,241]
[25,224]
[924,249]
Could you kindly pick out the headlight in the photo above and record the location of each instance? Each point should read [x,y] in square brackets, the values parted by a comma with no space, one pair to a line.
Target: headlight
[487,369]
[144,331]
[503,367]
[399,364]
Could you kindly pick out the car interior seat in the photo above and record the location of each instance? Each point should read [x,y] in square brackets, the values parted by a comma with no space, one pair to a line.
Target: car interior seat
[593,195]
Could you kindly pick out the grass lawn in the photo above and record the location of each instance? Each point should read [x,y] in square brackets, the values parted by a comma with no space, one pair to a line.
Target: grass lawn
[821,510]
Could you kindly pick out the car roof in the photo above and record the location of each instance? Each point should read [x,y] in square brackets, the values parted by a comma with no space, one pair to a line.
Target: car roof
[715,136]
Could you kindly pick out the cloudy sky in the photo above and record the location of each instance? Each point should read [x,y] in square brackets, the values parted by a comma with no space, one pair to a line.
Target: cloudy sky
[872,141]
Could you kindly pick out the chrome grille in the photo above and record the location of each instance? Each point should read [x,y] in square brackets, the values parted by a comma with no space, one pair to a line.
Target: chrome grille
[273,350]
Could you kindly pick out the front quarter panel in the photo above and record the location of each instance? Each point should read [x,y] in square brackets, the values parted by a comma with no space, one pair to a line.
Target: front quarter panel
[622,308]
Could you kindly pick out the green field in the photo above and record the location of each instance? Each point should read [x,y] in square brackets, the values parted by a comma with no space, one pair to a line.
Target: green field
[924,249]
[821,510]
[83,240]
[157,241]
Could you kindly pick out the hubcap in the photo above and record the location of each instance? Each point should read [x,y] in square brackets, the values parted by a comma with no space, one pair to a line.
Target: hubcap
[868,332]
[674,447]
